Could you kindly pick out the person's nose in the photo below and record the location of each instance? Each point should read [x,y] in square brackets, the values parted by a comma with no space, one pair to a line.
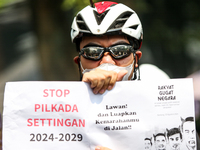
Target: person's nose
[107,58]
[191,135]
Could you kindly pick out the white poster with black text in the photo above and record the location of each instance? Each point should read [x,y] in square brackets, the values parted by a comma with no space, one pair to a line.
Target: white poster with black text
[157,115]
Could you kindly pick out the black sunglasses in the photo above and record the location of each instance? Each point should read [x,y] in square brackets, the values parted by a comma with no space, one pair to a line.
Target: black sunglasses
[96,52]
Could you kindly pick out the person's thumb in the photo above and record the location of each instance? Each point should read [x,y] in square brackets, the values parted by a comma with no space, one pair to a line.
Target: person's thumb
[121,74]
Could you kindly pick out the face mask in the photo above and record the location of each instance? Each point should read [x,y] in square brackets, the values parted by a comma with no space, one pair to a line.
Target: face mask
[112,67]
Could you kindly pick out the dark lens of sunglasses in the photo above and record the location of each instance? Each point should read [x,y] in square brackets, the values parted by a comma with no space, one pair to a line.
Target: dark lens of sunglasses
[92,52]
[117,52]
[121,51]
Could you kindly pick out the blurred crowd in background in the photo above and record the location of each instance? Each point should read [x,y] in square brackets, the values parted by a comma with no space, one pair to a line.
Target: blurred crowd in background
[35,40]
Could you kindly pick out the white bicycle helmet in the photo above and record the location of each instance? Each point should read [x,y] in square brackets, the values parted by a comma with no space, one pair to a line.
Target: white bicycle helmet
[107,18]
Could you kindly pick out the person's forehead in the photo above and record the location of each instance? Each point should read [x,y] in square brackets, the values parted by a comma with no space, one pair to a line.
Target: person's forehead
[147,141]
[175,135]
[188,125]
[104,40]
[160,137]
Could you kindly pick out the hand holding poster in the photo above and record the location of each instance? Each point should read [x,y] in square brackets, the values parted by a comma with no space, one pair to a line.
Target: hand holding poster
[67,115]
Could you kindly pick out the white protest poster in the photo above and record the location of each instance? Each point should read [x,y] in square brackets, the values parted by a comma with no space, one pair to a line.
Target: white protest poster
[67,115]
[45,115]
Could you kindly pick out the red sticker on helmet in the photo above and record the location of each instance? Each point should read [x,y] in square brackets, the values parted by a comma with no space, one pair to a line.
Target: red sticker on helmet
[102,6]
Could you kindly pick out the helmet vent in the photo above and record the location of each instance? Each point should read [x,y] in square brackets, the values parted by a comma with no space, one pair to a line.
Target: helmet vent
[81,23]
[113,5]
[120,21]
[134,27]
[100,17]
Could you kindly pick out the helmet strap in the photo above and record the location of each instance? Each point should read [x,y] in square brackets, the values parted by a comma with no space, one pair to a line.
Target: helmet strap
[78,41]
[136,69]
[79,68]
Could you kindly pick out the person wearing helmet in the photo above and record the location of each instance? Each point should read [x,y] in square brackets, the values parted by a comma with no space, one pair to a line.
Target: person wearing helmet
[108,37]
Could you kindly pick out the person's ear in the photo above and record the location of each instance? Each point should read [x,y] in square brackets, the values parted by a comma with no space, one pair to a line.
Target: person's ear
[137,58]
[76,60]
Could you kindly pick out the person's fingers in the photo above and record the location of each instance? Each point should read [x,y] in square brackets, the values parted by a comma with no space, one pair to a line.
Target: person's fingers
[112,81]
[96,80]
[98,87]
[101,148]
[93,83]
[107,80]
[86,77]
[101,80]
[121,74]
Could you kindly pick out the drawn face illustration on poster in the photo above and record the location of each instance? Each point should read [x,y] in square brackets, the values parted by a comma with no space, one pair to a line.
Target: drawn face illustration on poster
[147,144]
[160,141]
[188,131]
[174,138]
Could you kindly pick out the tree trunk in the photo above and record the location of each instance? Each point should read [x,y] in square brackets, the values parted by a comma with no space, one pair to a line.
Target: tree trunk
[55,48]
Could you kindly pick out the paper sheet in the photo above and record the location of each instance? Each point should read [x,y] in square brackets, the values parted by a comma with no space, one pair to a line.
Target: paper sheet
[67,115]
